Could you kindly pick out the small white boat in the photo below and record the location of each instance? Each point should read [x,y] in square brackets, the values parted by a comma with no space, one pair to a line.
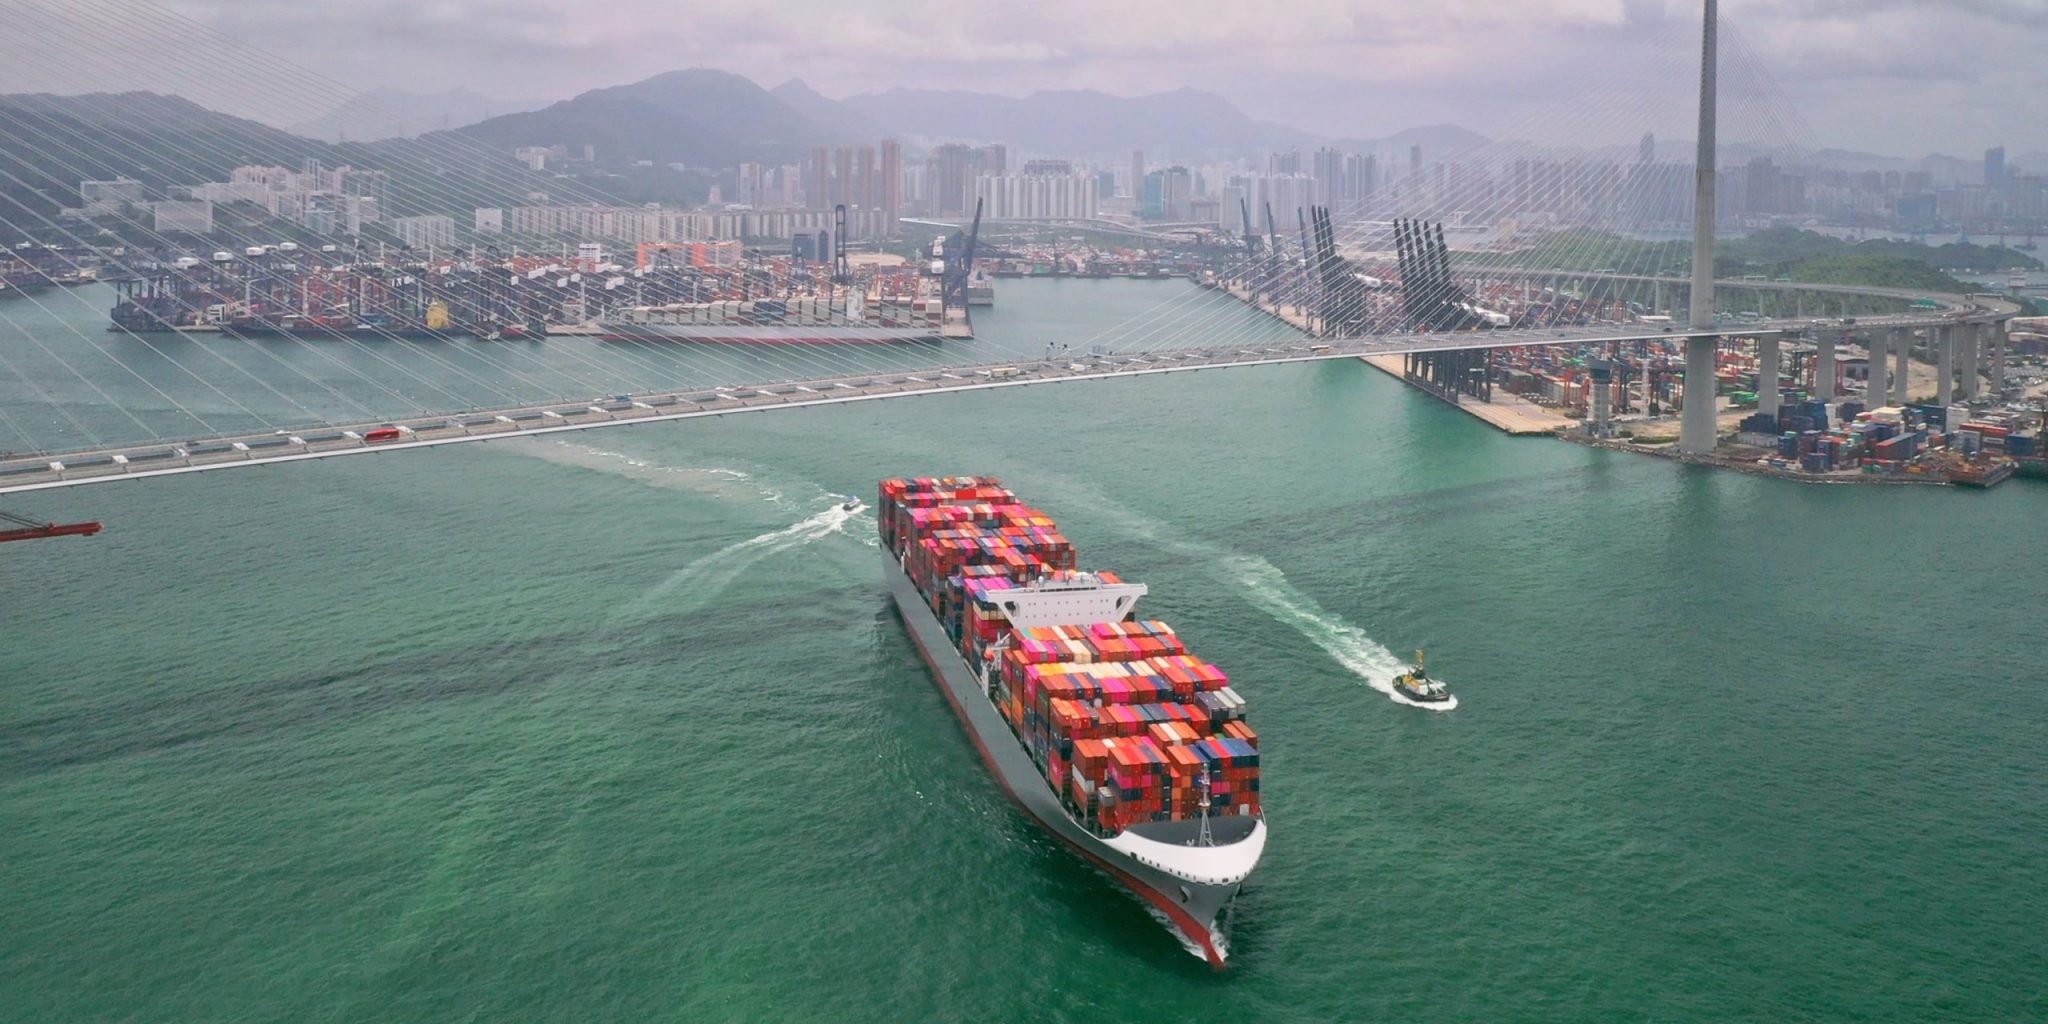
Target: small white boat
[1417,686]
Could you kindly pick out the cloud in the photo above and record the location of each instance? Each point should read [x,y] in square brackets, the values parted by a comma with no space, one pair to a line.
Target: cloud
[1900,76]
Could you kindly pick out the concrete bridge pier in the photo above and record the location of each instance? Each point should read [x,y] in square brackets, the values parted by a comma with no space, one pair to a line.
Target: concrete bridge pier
[1768,395]
[1698,431]
[1874,388]
[1973,340]
[1998,359]
[1824,369]
[1901,364]
[1944,352]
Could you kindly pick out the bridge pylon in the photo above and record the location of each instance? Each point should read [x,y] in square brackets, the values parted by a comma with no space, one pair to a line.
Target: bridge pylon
[1698,432]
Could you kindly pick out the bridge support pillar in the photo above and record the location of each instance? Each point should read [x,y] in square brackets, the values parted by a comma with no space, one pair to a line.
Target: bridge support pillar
[1944,365]
[1901,359]
[1874,387]
[1973,342]
[1698,432]
[1601,424]
[1824,368]
[1998,359]
[1768,394]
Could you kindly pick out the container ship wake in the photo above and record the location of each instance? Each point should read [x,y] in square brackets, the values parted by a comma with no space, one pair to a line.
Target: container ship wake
[1099,725]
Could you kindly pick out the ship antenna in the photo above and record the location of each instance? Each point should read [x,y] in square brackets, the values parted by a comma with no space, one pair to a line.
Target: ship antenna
[1202,786]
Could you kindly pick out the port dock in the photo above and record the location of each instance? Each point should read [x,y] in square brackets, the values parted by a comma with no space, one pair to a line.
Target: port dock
[1509,413]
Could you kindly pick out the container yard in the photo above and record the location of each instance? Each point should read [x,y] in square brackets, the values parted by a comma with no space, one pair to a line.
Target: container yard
[1628,394]
[1102,726]
[1080,260]
[29,268]
[672,290]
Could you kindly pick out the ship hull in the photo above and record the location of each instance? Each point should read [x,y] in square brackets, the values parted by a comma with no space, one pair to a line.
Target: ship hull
[1195,910]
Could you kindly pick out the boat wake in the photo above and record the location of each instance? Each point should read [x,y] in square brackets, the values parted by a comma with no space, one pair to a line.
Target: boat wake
[1269,589]
[717,481]
[707,576]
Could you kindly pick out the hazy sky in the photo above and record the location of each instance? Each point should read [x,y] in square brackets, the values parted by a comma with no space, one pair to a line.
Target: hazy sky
[1901,77]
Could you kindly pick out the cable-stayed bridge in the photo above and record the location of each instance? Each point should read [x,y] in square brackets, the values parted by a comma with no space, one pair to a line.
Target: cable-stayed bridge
[1363,302]
[154,459]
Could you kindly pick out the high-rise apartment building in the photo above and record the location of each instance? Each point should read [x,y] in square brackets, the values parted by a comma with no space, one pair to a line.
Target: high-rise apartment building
[892,180]
[818,187]
[1031,196]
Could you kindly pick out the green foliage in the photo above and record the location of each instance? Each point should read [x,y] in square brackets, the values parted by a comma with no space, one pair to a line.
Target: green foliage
[1782,252]
[1875,270]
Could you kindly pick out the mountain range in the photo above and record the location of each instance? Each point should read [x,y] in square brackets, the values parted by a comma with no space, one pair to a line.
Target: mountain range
[1185,124]
[710,118]
[701,118]
[48,144]
[397,114]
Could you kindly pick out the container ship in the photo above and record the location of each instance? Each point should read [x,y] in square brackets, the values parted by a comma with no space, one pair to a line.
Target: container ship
[792,321]
[1101,726]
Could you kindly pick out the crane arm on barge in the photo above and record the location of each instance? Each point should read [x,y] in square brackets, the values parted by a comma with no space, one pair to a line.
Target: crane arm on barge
[24,528]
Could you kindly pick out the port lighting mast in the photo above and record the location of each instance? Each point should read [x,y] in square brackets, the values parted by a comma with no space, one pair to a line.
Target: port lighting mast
[842,273]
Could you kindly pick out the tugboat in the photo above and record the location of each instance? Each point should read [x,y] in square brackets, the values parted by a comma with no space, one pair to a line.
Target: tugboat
[1417,686]
[851,504]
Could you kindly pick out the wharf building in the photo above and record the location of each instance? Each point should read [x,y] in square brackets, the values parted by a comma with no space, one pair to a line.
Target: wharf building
[429,231]
[105,198]
[183,216]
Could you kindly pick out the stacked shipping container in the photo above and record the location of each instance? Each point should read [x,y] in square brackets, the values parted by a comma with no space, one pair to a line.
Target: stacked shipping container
[1126,726]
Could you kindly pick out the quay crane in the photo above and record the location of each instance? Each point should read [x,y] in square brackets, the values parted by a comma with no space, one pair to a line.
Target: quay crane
[29,529]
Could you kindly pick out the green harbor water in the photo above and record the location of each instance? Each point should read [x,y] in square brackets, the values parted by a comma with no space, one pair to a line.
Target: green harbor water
[622,725]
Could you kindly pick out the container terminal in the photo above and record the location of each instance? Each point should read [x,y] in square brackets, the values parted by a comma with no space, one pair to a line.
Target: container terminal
[1780,406]
[283,290]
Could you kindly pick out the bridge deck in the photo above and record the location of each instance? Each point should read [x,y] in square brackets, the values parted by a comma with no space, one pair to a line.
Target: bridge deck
[169,458]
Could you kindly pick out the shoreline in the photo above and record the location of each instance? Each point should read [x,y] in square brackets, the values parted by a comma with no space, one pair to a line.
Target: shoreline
[1512,416]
